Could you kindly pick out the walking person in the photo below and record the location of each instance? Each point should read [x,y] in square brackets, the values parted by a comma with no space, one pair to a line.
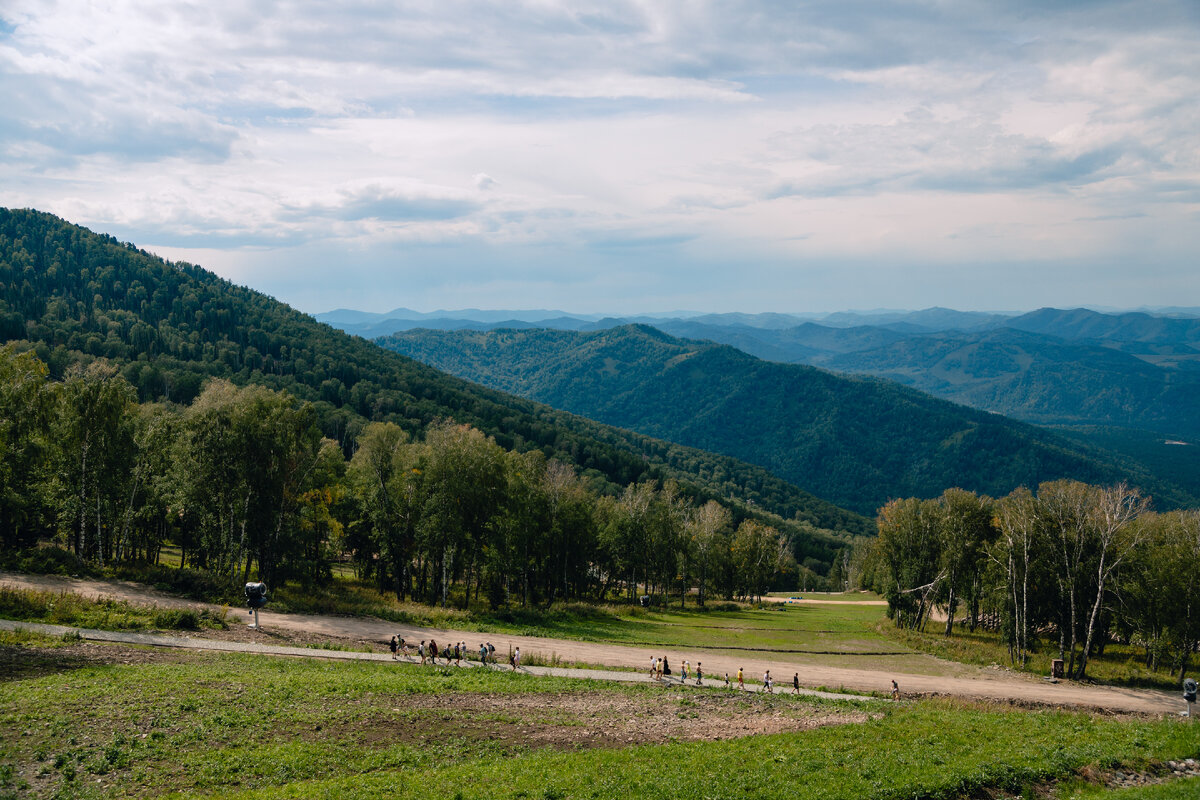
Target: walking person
[653,668]
[727,680]
[895,690]
[492,651]
[421,652]
[433,652]
[394,647]
[684,672]
[666,670]
[796,683]
[741,682]
[767,682]
[699,674]
[404,647]
[482,654]
[517,657]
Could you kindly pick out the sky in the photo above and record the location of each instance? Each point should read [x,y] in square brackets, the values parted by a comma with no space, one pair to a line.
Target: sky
[624,156]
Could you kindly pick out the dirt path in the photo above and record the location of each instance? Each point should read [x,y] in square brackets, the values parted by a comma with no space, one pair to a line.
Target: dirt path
[988,684]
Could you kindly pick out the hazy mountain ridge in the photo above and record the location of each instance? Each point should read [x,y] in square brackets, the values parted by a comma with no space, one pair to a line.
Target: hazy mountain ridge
[1039,379]
[1049,366]
[859,440]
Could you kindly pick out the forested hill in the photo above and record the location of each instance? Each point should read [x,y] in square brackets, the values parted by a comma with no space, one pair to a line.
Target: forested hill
[71,295]
[856,441]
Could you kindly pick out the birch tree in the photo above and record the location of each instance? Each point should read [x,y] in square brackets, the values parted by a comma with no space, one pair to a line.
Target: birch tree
[1110,514]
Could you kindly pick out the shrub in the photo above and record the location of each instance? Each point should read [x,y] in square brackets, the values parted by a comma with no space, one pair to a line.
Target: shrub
[44,561]
[180,619]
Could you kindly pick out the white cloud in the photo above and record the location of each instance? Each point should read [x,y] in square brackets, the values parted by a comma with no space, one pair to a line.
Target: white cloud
[550,140]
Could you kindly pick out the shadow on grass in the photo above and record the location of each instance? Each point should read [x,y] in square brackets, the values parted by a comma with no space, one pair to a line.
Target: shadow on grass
[18,663]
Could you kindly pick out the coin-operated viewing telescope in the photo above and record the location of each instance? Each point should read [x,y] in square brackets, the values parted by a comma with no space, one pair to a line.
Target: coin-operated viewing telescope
[256,598]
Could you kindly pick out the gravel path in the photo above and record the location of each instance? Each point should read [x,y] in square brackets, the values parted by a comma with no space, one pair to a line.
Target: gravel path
[977,683]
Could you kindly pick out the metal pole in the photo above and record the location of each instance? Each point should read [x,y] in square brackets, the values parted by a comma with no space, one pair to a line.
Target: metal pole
[255,625]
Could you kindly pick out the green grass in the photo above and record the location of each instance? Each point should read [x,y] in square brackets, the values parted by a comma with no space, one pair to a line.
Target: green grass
[63,608]
[1120,665]
[247,726]
[1184,789]
[776,628]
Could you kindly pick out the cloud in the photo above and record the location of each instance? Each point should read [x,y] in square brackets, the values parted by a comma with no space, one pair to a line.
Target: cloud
[625,133]
[376,201]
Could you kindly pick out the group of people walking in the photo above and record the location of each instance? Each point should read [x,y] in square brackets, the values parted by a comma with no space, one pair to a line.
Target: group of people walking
[428,651]
[660,667]
[660,671]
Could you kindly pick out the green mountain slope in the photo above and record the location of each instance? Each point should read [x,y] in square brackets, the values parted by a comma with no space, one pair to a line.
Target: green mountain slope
[72,295]
[1039,379]
[857,441]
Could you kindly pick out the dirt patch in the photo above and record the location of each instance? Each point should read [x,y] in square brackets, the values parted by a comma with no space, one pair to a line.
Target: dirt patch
[30,661]
[581,720]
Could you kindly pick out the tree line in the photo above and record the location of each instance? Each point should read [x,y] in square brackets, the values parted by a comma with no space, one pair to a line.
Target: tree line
[1076,564]
[243,481]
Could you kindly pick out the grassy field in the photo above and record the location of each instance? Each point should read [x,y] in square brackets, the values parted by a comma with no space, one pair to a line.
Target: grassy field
[76,720]
[1121,665]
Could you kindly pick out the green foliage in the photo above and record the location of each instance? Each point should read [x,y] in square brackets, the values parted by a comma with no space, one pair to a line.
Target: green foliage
[63,608]
[167,405]
[74,296]
[1084,564]
[855,441]
[44,561]
[1040,378]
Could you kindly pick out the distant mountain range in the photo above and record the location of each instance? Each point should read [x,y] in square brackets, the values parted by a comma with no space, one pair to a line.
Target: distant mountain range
[856,441]
[1130,370]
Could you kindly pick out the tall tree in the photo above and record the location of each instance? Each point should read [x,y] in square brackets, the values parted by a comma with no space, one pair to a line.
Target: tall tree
[965,530]
[909,547]
[1112,511]
[93,433]
[386,477]
[1065,509]
[708,527]
[24,447]
[1016,551]
[757,550]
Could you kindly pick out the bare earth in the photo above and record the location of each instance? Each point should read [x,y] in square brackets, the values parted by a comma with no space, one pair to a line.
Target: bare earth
[977,683]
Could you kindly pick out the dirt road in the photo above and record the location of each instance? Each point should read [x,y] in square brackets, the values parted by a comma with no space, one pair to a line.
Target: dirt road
[989,684]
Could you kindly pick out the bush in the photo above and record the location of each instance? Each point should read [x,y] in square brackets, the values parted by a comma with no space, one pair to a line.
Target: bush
[44,561]
[190,583]
[179,619]
[723,607]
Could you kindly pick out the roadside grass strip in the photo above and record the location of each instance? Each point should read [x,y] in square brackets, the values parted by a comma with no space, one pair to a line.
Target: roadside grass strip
[1186,789]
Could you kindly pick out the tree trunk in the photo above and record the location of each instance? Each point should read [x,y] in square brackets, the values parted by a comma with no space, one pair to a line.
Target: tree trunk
[1101,578]
[950,607]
